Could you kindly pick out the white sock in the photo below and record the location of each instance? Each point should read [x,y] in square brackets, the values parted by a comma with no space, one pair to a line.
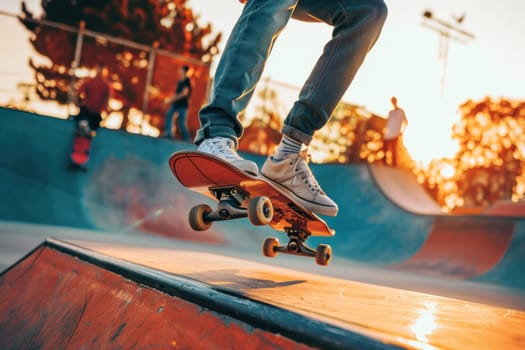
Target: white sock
[286,147]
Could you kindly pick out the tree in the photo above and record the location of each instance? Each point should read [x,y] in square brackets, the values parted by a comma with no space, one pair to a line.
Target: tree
[489,163]
[492,150]
[168,25]
[352,135]
[262,131]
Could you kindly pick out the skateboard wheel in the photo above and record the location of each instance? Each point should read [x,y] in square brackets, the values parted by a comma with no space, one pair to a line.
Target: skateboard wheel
[196,217]
[260,211]
[269,245]
[323,254]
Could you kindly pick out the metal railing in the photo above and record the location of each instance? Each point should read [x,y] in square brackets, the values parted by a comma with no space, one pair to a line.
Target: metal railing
[152,54]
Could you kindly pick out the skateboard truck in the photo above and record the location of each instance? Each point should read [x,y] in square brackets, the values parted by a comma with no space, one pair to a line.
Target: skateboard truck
[297,236]
[226,209]
[230,206]
[229,193]
[260,212]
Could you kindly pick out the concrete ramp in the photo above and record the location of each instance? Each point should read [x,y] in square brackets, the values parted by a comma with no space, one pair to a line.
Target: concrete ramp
[461,247]
[385,219]
[401,187]
[74,295]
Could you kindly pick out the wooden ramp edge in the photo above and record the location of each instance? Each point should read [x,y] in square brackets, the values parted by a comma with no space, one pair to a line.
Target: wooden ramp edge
[63,295]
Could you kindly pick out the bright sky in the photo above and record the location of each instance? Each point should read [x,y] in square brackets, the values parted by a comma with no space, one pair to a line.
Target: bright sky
[404,62]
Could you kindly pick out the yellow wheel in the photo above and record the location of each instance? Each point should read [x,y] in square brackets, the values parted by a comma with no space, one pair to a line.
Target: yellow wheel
[260,211]
[269,245]
[196,217]
[323,254]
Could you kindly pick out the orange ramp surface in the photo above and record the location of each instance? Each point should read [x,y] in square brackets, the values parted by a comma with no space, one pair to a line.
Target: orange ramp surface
[107,295]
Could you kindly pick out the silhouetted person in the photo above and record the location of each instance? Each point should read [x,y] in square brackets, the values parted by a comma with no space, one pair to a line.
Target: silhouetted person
[94,94]
[179,105]
[395,126]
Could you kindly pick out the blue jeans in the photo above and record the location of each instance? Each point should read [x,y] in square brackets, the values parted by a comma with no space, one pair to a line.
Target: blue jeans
[181,122]
[356,23]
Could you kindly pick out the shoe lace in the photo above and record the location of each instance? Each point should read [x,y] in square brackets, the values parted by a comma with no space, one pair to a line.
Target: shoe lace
[224,149]
[303,173]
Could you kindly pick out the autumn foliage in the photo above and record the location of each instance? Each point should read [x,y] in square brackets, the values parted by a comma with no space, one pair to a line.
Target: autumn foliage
[489,164]
[169,26]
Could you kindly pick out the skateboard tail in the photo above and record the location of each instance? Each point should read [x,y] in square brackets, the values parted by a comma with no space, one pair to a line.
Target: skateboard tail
[195,170]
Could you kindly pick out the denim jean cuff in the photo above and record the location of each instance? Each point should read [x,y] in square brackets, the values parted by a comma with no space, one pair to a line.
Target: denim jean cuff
[215,131]
[296,134]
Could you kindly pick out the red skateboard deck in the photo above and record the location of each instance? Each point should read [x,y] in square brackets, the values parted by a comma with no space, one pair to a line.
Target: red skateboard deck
[81,148]
[240,194]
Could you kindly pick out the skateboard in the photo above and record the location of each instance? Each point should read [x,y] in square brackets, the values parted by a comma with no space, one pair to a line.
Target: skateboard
[81,146]
[240,195]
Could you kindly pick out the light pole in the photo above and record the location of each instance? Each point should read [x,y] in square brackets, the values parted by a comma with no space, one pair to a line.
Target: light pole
[446,32]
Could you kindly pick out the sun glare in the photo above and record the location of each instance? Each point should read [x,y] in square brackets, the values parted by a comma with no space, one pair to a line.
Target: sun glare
[425,324]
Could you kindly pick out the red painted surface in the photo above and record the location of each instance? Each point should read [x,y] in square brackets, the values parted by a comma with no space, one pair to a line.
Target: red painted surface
[462,248]
[52,300]
[81,147]
[196,170]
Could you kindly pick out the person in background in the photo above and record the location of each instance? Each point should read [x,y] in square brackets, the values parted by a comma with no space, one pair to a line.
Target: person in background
[356,27]
[179,105]
[94,94]
[395,126]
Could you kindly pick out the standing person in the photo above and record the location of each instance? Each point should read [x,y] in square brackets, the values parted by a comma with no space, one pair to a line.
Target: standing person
[179,105]
[94,94]
[356,23]
[395,126]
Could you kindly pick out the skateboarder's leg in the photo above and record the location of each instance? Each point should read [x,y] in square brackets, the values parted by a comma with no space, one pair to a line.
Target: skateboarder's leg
[241,66]
[181,123]
[168,120]
[238,73]
[357,24]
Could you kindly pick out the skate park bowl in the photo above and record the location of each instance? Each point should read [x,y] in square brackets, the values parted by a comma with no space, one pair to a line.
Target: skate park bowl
[109,250]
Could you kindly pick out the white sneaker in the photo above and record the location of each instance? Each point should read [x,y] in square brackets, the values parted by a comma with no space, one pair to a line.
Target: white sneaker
[293,176]
[224,148]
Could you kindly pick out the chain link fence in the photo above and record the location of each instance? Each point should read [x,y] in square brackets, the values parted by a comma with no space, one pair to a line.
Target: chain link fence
[142,77]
